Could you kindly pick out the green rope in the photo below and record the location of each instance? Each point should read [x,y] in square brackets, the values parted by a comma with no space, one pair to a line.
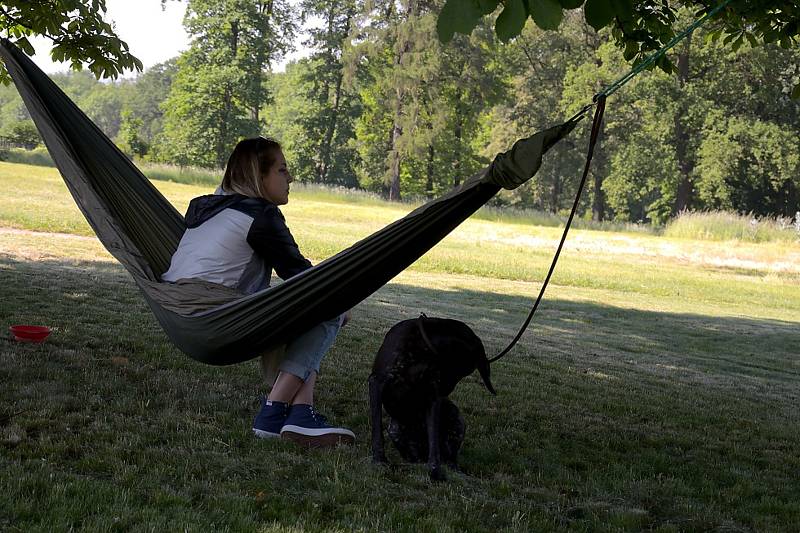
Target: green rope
[611,89]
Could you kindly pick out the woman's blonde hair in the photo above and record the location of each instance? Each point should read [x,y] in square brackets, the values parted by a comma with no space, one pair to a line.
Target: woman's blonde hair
[250,160]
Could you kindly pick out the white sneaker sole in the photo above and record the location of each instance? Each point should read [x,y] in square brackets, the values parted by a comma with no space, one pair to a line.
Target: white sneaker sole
[261,434]
[317,432]
[318,438]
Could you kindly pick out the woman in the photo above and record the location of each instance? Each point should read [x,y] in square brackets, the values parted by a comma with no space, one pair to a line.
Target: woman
[236,237]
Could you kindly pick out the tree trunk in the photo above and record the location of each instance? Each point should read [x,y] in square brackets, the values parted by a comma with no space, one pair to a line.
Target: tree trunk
[265,10]
[555,194]
[222,137]
[393,160]
[683,196]
[429,172]
[394,163]
[457,133]
[598,196]
[599,200]
[326,149]
[599,161]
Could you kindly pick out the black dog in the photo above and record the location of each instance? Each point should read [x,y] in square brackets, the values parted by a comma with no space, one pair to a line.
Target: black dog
[418,365]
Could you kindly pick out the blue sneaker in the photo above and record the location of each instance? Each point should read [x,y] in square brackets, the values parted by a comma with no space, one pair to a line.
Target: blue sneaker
[307,427]
[270,419]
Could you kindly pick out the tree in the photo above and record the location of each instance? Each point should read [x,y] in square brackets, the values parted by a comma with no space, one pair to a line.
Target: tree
[468,81]
[218,90]
[750,166]
[21,133]
[130,139]
[396,43]
[104,105]
[534,68]
[144,97]
[328,122]
[604,63]
[421,100]
[77,29]
[288,102]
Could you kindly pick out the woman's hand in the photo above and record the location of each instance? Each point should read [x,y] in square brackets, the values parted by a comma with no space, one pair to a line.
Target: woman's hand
[346,318]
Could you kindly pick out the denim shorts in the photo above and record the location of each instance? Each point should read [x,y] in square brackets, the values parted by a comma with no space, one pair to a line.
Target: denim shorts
[304,354]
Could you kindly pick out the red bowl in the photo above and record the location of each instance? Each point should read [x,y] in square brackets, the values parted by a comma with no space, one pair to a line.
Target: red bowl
[30,333]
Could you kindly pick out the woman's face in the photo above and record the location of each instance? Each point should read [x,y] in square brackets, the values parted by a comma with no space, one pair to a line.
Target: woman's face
[275,183]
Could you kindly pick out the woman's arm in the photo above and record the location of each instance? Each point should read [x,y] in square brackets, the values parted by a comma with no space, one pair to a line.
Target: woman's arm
[270,238]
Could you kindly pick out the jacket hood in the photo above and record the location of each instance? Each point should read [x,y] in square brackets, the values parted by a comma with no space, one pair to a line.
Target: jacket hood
[204,207]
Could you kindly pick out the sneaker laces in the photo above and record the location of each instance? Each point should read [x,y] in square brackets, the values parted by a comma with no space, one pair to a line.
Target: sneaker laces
[319,417]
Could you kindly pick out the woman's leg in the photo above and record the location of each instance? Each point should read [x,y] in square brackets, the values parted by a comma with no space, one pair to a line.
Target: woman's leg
[305,394]
[301,360]
[291,389]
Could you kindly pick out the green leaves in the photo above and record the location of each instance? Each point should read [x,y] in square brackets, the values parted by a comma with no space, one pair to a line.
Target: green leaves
[78,30]
[599,13]
[25,46]
[462,16]
[623,9]
[511,21]
[545,13]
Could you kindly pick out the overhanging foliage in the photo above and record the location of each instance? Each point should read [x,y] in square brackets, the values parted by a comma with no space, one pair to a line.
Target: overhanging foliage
[639,27]
[77,29]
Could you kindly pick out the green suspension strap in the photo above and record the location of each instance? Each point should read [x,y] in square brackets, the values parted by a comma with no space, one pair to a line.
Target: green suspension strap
[599,103]
[611,89]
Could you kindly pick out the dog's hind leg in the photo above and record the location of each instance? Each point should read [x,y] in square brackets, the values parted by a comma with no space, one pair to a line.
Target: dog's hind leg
[452,430]
[376,417]
[434,460]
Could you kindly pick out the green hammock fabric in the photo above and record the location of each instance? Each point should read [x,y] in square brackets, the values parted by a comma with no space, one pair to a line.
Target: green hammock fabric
[212,323]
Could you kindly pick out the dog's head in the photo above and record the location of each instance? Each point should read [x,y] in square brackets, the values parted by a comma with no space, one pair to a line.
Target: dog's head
[465,341]
[480,360]
[482,364]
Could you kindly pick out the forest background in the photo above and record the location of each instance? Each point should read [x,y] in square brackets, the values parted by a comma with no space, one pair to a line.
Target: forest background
[381,104]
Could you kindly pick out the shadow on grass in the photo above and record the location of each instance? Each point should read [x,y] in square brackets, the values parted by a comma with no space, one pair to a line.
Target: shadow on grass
[606,418]
[90,296]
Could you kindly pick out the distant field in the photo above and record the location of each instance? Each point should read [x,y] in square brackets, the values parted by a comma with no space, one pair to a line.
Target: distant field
[713,226]
[657,388]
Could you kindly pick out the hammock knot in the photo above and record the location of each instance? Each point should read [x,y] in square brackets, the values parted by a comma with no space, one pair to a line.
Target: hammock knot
[511,169]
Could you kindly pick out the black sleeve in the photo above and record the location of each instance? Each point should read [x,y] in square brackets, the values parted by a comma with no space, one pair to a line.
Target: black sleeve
[271,239]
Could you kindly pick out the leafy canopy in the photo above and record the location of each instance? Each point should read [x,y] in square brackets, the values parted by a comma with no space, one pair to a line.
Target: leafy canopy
[77,29]
[638,26]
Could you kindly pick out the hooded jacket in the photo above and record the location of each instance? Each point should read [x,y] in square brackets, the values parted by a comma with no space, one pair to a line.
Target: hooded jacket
[236,241]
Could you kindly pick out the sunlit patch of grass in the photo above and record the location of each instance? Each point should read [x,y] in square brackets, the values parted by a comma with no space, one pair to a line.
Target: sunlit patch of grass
[185,175]
[39,156]
[726,226]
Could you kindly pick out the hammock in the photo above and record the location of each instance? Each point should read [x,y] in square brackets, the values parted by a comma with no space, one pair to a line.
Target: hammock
[209,322]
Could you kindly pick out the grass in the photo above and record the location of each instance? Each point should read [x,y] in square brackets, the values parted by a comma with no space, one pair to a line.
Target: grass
[657,389]
[723,226]
[186,175]
[38,156]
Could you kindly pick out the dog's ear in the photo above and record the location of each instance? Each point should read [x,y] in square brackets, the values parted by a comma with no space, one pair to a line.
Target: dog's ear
[483,370]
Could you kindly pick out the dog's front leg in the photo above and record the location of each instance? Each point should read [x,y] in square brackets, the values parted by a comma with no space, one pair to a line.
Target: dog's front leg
[434,459]
[376,416]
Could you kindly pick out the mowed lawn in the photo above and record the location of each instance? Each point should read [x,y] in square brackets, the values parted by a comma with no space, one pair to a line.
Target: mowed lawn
[657,388]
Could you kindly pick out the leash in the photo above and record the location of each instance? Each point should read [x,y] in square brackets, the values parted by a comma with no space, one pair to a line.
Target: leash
[597,123]
[420,320]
